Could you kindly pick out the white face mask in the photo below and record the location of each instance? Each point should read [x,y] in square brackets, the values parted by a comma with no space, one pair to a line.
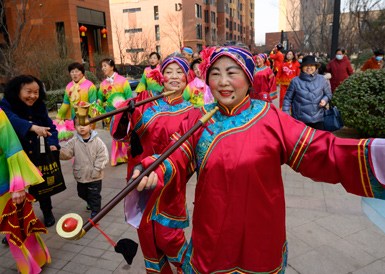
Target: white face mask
[339,56]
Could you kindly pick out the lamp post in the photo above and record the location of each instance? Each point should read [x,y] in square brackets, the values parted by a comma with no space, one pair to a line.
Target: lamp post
[336,27]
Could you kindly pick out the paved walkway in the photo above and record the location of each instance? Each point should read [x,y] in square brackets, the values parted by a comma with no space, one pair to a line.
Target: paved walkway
[327,230]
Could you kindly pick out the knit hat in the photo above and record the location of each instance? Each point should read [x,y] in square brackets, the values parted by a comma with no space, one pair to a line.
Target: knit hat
[181,62]
[241,56]
[187,50]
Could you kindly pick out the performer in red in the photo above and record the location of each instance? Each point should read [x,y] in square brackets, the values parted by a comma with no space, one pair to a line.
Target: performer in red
[264,84]
[148,129]
[277,57]
[239,213]
[286,72]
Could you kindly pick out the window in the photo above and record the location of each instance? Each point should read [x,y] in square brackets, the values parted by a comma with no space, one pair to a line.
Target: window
[213,17]
[227,23]
[206,16]
[135,50]
[199,47]
[133,30]
[199,31]
[132,10]
[157,33]
[156,13]
[61,39]
[157,49]
[198,11]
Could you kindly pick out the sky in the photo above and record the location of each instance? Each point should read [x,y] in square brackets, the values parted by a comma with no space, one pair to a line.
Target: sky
[266,18]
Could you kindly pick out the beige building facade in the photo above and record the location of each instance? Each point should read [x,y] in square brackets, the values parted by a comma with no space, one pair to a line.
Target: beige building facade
[142,26]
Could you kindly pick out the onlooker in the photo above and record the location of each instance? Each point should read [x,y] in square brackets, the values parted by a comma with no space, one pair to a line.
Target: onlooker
[277,57]
[376,62]
[197,92]
[286,72]
[300,57]
[147,82]
[23,103]
[91,157]
[339,68]
[308,95]
[264,83]
[17,173]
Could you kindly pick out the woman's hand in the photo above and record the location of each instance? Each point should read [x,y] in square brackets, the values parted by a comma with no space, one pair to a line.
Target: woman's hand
[53,148]
[322,103]
[147,182]
[41,131]
[18,197]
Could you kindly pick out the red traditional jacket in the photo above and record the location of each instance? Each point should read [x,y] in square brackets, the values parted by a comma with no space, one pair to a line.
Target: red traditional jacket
[239,210]
[264,85]
[153,123]
[287,71]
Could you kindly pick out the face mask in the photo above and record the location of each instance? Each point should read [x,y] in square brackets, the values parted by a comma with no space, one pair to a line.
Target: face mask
[339,56]
[300,61]
[379,58]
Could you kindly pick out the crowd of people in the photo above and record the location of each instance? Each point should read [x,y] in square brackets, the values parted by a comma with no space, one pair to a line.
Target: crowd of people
[247,127]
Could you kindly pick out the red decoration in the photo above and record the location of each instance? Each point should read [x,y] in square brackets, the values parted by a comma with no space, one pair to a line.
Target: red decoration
[104,32]
[82,30]
[69,224]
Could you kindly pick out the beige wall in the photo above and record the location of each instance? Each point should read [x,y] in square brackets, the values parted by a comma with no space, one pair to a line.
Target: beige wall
[170,25]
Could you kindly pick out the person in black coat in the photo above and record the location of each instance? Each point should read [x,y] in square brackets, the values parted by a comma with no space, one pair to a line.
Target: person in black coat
[24,105]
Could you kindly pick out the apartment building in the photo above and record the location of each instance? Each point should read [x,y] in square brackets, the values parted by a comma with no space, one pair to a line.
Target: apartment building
[142,26]
[77,29]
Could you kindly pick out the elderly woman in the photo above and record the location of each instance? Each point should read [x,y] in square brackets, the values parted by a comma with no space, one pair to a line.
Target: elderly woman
[149,128]
[239,209]
[17,174]
[308,94]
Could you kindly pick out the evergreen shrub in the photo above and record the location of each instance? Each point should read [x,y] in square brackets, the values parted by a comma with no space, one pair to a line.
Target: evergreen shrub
[361,101]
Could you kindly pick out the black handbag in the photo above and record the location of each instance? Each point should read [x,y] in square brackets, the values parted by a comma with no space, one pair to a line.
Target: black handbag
[332,119]
[48,162]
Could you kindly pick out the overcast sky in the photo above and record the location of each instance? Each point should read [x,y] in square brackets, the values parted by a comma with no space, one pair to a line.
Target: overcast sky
[266,18]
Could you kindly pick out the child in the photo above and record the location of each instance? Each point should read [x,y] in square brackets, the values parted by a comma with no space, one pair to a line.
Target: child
[91,157]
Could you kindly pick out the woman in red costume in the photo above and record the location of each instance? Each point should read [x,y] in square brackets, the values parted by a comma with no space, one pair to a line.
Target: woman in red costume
[239,212]
[286,72]
[264,84]
[148,129]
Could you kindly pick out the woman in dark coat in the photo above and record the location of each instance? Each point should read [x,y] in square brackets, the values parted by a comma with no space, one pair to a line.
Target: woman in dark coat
[23,103]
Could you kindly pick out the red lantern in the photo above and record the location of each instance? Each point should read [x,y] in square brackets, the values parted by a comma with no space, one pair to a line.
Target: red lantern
[104,32]
[82,30]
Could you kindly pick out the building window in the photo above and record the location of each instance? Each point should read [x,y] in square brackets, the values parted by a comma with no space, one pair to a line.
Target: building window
[199,47]
[198,11]
[227,23]
[157,33]
[61,39]
[199,31]
[156,13]
[135,50]
[157,49]
[213,17]
[206,16]
[133,30]
[132,10]
[235,26]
